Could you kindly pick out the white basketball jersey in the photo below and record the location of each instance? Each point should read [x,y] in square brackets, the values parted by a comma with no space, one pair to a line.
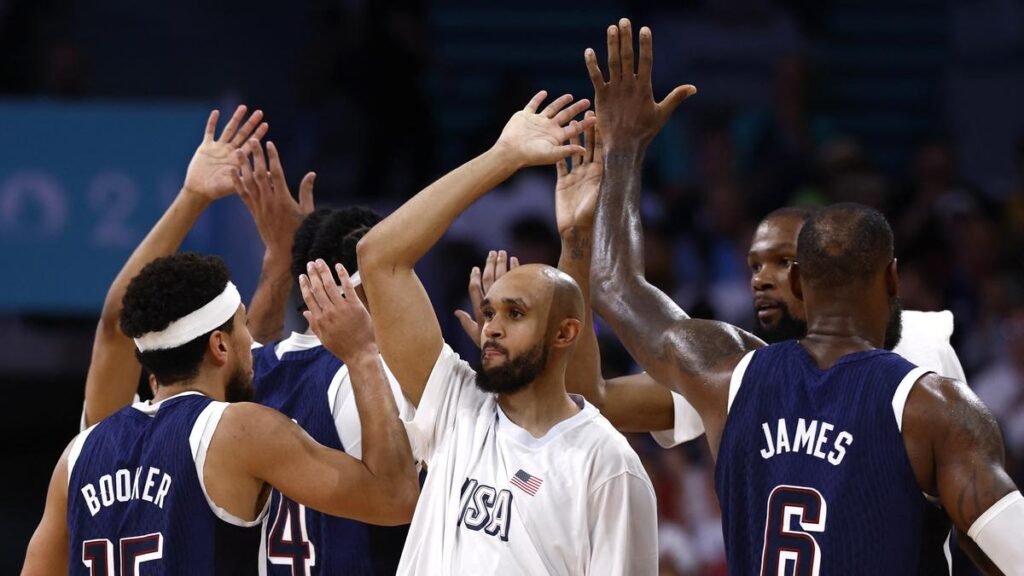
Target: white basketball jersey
[499,501]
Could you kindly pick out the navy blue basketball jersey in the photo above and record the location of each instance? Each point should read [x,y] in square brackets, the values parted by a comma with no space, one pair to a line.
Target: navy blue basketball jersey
[135,502]
[297,540]
[813,474]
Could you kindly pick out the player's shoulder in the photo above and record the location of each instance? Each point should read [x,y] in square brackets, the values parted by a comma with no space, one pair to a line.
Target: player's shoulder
[609,451]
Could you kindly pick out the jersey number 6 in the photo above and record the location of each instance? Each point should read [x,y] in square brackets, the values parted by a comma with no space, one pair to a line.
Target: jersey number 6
[789,549]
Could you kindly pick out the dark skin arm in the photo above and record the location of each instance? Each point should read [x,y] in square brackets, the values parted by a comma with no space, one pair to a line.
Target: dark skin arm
[48,549]
[693,357]
[277,215]
[957,452]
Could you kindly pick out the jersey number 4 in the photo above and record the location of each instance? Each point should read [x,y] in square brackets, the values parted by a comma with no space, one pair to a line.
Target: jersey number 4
[288,543]
[794,512]
[98,555]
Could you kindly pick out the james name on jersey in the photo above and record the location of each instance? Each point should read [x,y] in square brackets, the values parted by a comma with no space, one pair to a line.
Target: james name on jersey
[124,486]
[484,507]
[814,439]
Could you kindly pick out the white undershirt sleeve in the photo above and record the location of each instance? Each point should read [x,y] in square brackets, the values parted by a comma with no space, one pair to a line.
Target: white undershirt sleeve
[688,425]
[999,532]
[623,527]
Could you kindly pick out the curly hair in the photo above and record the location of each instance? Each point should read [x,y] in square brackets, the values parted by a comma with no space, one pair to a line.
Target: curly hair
[165,290]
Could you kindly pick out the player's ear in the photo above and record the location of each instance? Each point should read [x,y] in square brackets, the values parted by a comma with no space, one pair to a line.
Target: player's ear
[568,332]
[218,347]
[794,281]
[892,278]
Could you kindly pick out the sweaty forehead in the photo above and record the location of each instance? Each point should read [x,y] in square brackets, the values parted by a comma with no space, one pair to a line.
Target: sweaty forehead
[777,234]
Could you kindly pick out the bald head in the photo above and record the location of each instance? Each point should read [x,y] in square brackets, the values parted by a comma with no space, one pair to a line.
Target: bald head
[548,282]
[844,244]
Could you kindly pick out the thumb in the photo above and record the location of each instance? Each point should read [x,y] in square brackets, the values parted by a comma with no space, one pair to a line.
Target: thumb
[469,325]
[675,98]
[306,193]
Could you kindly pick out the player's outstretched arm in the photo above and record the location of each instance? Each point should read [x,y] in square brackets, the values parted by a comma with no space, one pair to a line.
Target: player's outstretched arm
[114,371]
[675,350]
[262,187]
[47,552]
[407,330]
[957,451]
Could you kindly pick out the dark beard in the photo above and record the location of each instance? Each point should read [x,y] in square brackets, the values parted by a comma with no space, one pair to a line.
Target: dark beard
[515,373]
[239,388]
[787,328]
[894,330]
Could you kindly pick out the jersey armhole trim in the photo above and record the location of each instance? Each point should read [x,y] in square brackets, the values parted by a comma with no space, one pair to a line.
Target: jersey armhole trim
[199,442]
[899,398]
[737,379]
[76,448]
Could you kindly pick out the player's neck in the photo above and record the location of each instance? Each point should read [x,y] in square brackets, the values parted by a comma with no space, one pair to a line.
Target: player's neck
[832,335]
[540,405]
[205,384]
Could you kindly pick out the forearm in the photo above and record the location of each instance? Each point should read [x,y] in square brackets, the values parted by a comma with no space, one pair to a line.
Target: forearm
[386,451]
[583,375]
[270,300]
[402,238]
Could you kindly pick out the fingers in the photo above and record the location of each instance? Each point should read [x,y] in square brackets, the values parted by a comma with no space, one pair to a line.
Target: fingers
[534,102]
[513,263]
[598,147]
[247,129]
[476,291]
[593,68]
[261,131]
[306,287]
[274,167]
[321,290]
[588,138]
[626,47]
[306,204]
[614,65]
[675,98]
[469,325]
[327,281]
[242,192]
[487,278]
[562,168]
[211,126]
[643,74]
[577,160]
[246,177]
[572,131]
[229,131]
[259,165]
[572,111]
[500,265]
[557,104]
[348,290]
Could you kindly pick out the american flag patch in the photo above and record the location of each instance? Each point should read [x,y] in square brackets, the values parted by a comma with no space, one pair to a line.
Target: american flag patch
[526,483]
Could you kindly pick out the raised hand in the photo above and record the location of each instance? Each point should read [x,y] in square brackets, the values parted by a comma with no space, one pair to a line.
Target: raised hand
[627,111]
[210,171]
[538,138]
[263,189]
[576,189]
[498,263]
[337,317]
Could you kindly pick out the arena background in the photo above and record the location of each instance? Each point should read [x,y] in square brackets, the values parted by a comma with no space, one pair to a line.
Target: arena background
[915,109]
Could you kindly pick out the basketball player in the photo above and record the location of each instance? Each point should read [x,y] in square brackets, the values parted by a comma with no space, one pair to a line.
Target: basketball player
[183,481]
[523,478]
[113,375]
[829,423]
[303,380]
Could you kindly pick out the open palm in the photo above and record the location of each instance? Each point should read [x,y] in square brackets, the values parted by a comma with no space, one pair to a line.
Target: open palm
[537,138]
[210,171]
[576,189]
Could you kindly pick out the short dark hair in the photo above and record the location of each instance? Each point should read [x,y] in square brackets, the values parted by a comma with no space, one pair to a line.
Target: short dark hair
[804,213]
[304,238]
[165,290]
[843,244]
[337,237]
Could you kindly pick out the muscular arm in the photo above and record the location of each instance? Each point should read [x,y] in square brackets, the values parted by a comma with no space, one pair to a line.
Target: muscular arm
[694,357]
[270,300]
[956,450]
[254,444]
[114,371]
[407,329]
[48,550]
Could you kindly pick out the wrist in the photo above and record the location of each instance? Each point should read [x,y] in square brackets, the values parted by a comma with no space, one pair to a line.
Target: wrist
[365,357]
[505,153]
[277,259]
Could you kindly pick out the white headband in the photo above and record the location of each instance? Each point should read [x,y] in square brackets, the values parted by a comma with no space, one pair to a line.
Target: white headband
[194,324]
